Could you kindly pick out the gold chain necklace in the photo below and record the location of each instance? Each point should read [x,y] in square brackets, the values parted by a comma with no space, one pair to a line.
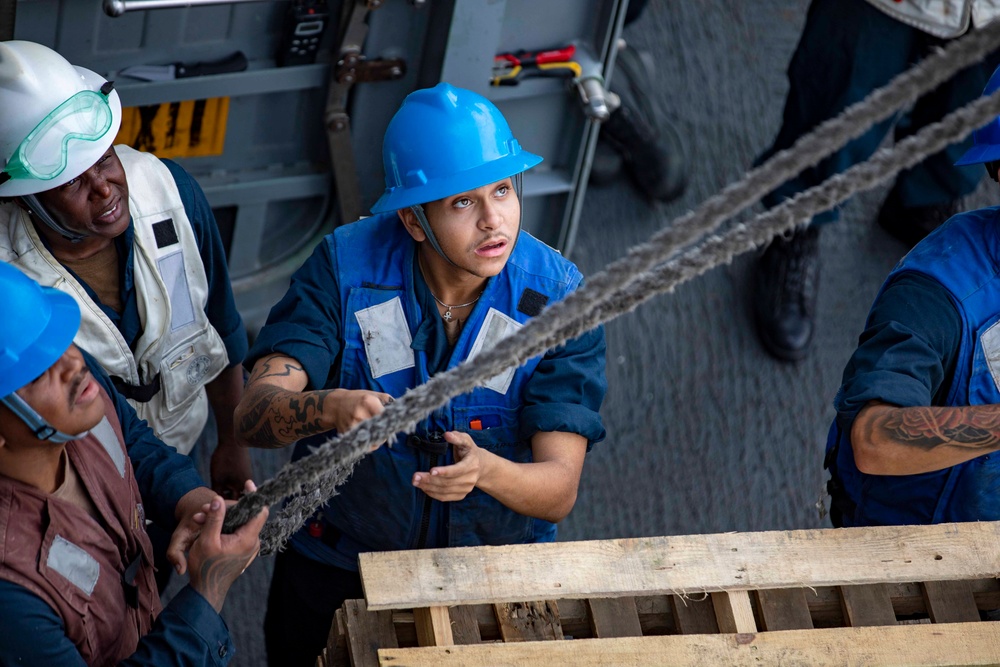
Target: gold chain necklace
[447,313]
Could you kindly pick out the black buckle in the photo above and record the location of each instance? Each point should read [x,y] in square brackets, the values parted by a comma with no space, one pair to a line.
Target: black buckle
[143,393]
[45,432]
[432,443]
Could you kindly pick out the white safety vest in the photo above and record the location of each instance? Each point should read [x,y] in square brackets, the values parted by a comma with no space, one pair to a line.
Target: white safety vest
[941,18]
[177,340]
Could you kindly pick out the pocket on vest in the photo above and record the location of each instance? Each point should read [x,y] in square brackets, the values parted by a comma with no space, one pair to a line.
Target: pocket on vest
[188,366]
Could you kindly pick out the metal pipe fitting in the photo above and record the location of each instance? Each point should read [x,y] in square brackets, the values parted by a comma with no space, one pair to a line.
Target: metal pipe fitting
[115,8]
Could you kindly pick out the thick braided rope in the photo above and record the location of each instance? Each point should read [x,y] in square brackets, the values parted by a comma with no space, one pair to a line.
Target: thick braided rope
[311,480]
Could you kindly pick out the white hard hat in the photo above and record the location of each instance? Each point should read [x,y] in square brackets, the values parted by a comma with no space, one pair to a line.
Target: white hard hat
[35,81]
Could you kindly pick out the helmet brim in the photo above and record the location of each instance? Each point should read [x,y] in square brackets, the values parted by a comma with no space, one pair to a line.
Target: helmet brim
[85,153]
[52,341]
[491,172]
[979,155]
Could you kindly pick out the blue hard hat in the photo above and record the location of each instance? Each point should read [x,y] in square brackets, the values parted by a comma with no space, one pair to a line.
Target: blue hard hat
[445,140]
[985,140]
[38,325]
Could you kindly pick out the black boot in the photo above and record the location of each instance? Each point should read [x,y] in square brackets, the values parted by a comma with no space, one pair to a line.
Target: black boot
[910,224]
[784,299]
[639,130]
[654,157]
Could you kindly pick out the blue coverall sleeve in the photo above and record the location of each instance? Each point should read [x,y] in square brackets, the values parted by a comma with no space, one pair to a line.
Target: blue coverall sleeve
[567,388]
[162,475]
[907,353]
[221,305]
[187,632]
[305,323]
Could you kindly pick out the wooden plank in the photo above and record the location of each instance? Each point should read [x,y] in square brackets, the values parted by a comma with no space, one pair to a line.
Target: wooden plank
[614,617]
[680,564]
[784,609]
[367,632]
[867,605]
[433,626]
[464,625]
[528,621]
[658,616]
[336,652]
[895,646]
[950,601]
[734,612]
[694,616]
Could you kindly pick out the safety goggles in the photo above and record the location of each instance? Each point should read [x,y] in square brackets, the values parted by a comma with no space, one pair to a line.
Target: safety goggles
[43,155]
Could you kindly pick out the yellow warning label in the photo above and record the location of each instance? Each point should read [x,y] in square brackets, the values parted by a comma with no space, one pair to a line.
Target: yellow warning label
[194,128]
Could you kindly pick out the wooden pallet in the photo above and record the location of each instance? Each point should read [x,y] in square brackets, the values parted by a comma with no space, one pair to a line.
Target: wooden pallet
[904,595]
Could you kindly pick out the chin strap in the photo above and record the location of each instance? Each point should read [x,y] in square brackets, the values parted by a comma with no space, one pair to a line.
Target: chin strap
[518,188]
[41,428]
[38,212]
[418,211]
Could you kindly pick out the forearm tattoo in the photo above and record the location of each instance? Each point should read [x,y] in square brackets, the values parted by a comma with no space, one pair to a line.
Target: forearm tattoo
[930,427]
[216,575]
[278,417]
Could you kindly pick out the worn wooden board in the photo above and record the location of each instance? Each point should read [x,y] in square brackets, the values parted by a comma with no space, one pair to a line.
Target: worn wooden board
[892,646]
[950,601]
[528,621]
[464,625]
[733,612]
[433,625]
[693,616]
[868,605]
[680,564]
[614,617]
[367,632]
[336,652]
[784,609]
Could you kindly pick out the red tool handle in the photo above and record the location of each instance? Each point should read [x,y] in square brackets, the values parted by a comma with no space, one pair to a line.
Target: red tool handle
[524,58]
[556,55]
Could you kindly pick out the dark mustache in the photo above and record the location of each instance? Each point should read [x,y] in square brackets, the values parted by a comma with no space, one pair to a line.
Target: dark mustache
[493,240]
[78,380]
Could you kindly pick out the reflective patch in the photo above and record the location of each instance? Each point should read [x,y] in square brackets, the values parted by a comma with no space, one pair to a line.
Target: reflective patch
[106,436]
[175,279]
[387,337]
[496,327]
[72,562]
[990,340]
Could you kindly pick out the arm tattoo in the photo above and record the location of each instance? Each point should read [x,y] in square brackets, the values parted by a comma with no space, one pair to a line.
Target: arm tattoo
[216,575]
[306,415]
[278,417]
[266,371]
[926,428]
